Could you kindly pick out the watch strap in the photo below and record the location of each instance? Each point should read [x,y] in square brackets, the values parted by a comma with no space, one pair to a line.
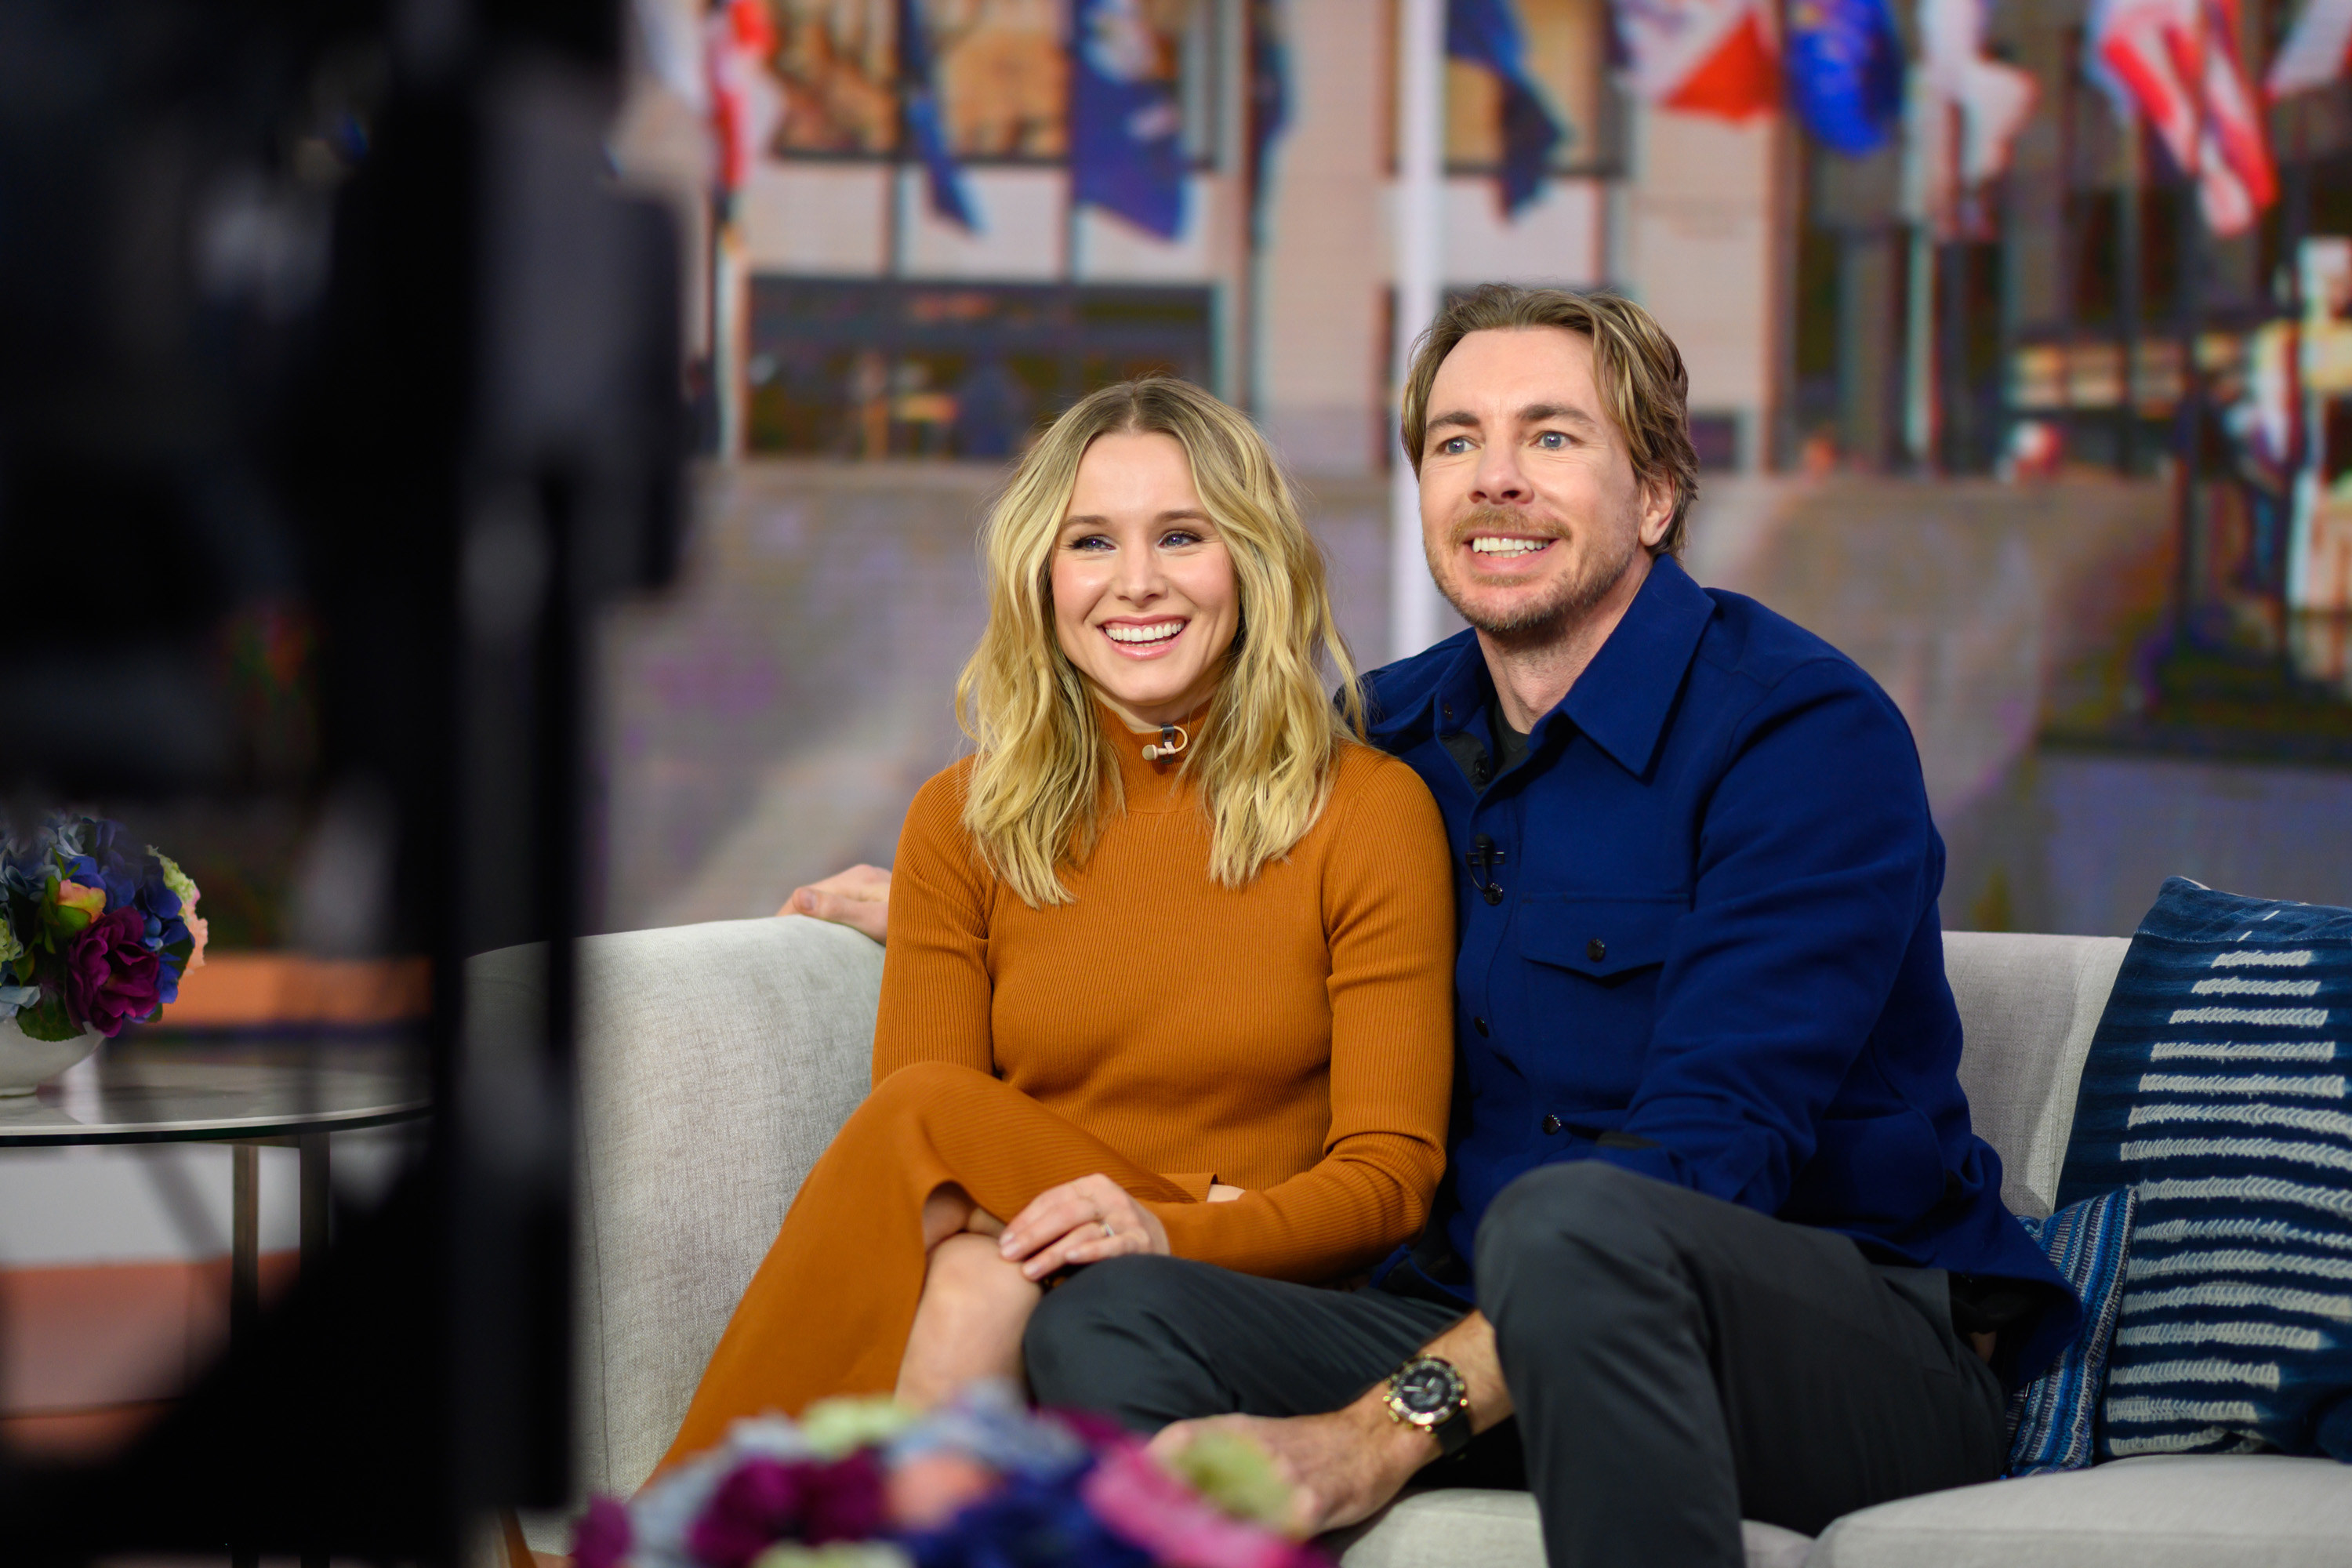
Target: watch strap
[1454,1433]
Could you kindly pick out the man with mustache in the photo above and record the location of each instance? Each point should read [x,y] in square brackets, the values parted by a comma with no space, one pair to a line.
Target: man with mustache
[1716,1239]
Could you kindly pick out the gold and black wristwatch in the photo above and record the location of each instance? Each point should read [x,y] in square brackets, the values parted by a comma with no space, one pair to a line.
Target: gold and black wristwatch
[1427,1393]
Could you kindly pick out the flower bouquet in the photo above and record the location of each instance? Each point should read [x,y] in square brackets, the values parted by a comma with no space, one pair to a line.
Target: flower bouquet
[93,935]
[981,1483]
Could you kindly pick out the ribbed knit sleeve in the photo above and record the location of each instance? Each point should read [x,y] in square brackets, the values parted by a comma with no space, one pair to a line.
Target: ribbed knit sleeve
[1388,913]
[936,991]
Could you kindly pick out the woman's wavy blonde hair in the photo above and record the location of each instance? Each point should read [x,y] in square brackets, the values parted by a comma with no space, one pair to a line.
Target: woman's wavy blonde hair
[1046,780]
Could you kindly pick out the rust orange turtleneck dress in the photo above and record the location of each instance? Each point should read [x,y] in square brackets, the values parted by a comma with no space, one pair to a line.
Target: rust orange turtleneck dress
[1293,1038]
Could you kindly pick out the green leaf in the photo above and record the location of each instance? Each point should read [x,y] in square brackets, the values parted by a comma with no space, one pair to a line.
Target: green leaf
[1237,1474]
[50,1020]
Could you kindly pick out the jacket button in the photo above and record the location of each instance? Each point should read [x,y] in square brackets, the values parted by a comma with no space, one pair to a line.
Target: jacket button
[1479,1024]
[1494,894]
[1550,1125]
[1596,950]
[1478,770]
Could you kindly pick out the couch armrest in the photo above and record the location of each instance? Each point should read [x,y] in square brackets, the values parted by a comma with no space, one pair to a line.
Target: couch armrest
[716,1063]
[2028,1007]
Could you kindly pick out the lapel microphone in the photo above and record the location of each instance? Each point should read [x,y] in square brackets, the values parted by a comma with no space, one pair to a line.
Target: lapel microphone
[1172,741]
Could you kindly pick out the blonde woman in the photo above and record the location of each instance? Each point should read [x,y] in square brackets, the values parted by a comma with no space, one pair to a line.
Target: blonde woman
[1169,958]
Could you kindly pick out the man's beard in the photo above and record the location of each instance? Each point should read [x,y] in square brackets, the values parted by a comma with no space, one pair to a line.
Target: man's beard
[1530,620]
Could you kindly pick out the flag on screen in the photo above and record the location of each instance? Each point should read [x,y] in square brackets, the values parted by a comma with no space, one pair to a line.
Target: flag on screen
[1487,33]
[1126,141]
[1994,100]
[943,175]
[2177,62]
[1710,56]
[1269,101]
[746,105]
[2317,52]
[1846,71]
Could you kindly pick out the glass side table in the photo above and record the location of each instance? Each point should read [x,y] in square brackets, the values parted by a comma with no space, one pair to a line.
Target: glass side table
[142,1093]
[249,1098]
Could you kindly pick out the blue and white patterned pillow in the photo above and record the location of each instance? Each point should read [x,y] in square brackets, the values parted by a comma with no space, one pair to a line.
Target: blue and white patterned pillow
[2215,1088]
[2052,1420]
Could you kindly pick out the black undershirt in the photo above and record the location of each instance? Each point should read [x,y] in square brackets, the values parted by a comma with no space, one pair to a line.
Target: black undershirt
[1510,745]
[1480,767]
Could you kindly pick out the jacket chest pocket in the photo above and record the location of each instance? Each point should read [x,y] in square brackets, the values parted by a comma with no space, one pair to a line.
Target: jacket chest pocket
[1590,979]
[1604,939]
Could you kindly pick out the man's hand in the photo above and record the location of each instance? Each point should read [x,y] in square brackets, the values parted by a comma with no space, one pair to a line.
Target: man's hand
[1342,1468]
[859,897]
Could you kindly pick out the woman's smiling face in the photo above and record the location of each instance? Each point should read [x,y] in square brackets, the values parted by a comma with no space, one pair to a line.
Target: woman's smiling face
[1145,602]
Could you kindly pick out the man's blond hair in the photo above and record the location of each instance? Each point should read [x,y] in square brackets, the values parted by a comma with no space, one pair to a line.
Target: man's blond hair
[1044,781]
[1643,388]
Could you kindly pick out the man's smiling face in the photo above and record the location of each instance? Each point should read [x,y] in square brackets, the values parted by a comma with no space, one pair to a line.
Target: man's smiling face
[1530,510]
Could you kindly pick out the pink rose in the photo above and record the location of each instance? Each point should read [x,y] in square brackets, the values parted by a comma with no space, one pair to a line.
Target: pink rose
[67,910]
[927,1490]
[81,897]
[111,977]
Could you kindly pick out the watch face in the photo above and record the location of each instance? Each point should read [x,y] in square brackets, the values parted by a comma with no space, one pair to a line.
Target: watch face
[1427,1387]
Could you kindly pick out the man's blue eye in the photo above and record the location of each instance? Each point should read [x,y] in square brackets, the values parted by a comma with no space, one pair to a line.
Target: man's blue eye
[1455,443]
[1553,439]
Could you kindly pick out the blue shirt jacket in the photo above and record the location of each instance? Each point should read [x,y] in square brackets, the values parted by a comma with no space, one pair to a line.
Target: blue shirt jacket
[1700,941]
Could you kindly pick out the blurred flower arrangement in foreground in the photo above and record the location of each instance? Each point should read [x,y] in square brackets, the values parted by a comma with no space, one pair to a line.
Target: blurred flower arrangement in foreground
[981,1483]
[93,933]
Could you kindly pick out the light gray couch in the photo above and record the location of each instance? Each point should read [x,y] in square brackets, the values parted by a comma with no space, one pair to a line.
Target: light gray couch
[719,1060]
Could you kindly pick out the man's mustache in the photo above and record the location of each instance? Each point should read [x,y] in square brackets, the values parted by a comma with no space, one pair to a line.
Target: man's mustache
[1479,519]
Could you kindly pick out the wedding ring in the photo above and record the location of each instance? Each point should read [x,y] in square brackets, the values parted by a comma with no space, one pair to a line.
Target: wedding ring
[1107,1229]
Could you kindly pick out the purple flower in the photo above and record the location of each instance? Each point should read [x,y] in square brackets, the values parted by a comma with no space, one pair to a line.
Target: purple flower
[111,977]
[758,1504]
[844,1500]
[765,1500]
[602,1538]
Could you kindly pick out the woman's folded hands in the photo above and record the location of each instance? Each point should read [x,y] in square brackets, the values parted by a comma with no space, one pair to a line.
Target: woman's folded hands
[1083,1221]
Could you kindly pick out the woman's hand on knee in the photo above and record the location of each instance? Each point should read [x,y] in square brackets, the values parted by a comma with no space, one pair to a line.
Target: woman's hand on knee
[1083,1221]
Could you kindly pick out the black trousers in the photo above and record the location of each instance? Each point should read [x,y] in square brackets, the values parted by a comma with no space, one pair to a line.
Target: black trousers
[1676,1363]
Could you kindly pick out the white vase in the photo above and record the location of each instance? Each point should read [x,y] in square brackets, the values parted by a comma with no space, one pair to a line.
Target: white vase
[26,1063]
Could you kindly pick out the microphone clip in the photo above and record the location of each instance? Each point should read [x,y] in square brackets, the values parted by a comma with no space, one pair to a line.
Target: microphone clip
[1172,740]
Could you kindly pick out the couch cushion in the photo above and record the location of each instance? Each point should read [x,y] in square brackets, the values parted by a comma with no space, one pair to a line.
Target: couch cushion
[2217,1086]
[2246,1510]
[1479,1529]
[2053,1419]
[2028,1005]
[716,1063]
